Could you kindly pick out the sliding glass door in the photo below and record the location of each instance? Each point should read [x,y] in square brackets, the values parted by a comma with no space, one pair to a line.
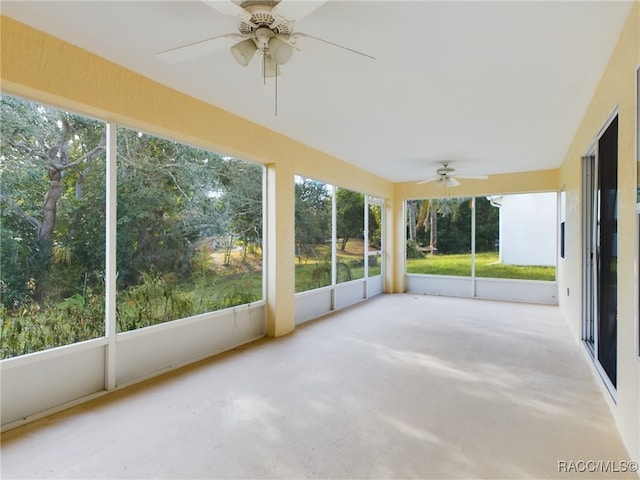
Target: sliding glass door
[600,252]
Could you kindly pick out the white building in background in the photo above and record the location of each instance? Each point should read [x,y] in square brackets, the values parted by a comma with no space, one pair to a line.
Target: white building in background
[528,224]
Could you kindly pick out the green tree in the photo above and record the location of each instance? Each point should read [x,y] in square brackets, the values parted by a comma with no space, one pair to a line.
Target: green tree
[242,186]
[178,208]
[48,157]
[487,225]
[155,223]
[312,215]
[349,215]
[375,226]
[433,209]
[173,197]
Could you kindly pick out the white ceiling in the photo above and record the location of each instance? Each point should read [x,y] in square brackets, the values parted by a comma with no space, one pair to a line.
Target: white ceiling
[493,87]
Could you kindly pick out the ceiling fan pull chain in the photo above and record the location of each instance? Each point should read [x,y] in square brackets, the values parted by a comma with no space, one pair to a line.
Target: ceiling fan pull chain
[276,92]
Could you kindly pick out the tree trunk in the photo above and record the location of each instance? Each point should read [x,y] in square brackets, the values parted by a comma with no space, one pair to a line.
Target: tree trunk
[49,211]
[411,205]
[433,231]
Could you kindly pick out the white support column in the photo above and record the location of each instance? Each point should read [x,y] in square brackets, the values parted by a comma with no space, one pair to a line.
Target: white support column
[383,240]
[334,246]
[110,260]
[473,246]
[366,246]
[265,231]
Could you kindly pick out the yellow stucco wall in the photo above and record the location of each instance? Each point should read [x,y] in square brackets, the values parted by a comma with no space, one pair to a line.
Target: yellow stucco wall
[616,90]
[504,184]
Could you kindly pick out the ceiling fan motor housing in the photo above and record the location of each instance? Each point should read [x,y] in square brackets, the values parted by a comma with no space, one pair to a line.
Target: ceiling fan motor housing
[261,17]
[445,170]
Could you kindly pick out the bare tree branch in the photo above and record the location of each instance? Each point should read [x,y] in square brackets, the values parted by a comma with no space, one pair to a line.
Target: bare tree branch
[18,211]
[175,182]
[51,152]
[33,152]
[87,156]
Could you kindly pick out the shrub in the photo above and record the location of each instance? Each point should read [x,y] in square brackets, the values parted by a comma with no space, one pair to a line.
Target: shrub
[412,250]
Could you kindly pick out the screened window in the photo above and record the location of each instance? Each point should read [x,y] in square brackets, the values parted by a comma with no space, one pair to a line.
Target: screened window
[515,236]
[350,235]
[52,227]
[313,234]
[374,240]
[189,234]
[439,236]
[335,230]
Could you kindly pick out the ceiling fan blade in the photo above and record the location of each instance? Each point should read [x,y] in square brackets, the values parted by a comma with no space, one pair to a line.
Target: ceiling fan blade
[297,10]
[428,180]
[472,177]
[227,7]
[199,48]
[306,35]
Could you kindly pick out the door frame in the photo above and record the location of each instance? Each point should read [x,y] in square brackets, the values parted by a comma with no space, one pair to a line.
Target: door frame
[590,231]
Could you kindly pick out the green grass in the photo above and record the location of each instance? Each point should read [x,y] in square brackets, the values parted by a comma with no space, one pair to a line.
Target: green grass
[314,269]
[162,298]
[157,300]
[487,266]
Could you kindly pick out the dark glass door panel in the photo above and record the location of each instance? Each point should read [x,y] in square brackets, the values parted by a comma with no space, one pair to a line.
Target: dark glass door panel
[607,250]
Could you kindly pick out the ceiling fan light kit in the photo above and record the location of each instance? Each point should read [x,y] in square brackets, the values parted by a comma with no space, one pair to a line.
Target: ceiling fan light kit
[244,51]
[446,176]
[265,40]
[279,50]
[447,182]
[267,32]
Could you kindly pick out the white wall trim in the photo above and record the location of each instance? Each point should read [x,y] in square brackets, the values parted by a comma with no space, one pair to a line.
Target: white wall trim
[51,353]
[512,290]
[182,322]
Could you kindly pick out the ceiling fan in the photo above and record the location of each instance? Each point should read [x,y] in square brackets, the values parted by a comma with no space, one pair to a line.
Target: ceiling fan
[264,26]
[447,176]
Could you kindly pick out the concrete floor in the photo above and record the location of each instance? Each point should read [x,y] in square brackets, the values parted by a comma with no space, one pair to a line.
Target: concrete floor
[401,386]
